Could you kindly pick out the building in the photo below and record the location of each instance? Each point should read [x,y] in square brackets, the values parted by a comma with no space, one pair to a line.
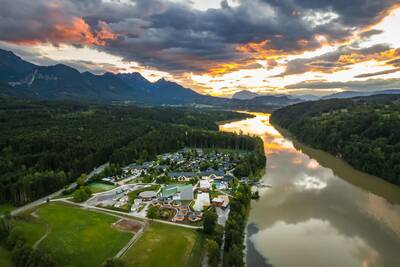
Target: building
[220,201]
[204,185]
[182,176]
[202,201]
[147,195]
[178,192]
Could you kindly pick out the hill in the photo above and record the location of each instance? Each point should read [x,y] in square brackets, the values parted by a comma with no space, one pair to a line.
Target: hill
[364,131]
[350,94]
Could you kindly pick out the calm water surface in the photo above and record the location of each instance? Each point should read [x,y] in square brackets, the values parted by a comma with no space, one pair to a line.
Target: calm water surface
[319,211]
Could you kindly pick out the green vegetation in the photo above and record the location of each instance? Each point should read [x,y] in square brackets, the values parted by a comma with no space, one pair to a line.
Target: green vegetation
[253,163]
[364,131]
[100,187]
[76,237]
[80,237]
[4,208]
[5,257]
[235,227]
[44,146]
[166,245]
[81,194]
[214,234]
[29,228]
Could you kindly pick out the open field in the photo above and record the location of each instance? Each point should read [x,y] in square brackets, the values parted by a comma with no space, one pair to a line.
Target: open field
[32,229]
[99,187]
[77,237]
[5,257]
[6,207]
[166,245]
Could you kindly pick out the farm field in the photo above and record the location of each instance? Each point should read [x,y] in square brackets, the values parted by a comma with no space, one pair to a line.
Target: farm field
[76,237]
[166,245]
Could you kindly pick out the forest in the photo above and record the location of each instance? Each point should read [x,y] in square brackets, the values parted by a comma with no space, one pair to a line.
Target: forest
[44,146]
[363,131]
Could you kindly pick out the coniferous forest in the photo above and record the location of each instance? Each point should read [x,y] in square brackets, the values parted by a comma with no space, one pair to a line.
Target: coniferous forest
[364,131]
[44,146]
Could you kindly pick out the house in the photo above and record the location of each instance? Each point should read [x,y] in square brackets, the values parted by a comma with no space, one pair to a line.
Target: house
[211,174]
[205,185]
[220,201]
[202,201]
[182,176]
[178,192]
[227,178]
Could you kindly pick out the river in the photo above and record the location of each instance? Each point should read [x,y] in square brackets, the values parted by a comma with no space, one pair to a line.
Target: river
[319,211]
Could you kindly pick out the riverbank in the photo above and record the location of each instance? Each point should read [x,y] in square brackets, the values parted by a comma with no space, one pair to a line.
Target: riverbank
[319,209]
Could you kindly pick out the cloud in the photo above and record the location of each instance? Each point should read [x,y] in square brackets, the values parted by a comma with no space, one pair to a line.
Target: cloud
[368,85]
[366,75]
[175,37]
[340,59]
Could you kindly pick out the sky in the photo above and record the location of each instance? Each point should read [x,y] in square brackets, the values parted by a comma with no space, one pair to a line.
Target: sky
[216,47]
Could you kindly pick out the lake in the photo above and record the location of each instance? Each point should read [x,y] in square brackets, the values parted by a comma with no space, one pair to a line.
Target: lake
[319,210]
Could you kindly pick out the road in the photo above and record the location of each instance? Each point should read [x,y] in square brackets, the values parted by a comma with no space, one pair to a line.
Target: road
[52,195]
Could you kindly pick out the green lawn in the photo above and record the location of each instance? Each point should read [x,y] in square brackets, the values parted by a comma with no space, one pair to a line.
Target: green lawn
[166,245]
[31,229]
[5,257]
[78,237]
[6,207]
[100,187]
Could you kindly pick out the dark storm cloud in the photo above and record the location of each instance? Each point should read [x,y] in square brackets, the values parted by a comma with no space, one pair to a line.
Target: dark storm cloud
[368,85]
[175,37]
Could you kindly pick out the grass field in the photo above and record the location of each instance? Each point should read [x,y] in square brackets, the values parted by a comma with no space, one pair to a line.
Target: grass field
[31,229]
[167,246]
[77,237]
[99,187]
[5,258]
[6,207]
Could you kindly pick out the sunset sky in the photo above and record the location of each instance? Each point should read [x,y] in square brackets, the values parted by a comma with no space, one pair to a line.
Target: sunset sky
[216,47]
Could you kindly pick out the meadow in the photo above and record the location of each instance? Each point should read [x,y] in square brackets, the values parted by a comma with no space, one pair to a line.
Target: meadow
[167,246]
[76,237]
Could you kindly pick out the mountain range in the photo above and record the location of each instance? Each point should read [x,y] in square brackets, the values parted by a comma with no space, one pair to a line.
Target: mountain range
[350,94]
[247,95]
[19,78]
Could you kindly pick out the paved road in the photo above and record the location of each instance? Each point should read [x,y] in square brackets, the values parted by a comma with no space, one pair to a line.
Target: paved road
[44,199]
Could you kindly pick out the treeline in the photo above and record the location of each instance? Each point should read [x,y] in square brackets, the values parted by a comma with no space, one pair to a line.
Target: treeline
[22,254]
[252,165]
[44,146]
[364,131]
[235,227]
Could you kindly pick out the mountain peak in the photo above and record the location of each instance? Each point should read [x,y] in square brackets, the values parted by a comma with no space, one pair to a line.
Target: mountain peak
[244,95]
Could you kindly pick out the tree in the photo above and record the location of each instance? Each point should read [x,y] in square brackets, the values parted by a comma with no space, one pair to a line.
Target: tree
[81,179]
[152,213]
[83,193]
[210,221]
[213,252]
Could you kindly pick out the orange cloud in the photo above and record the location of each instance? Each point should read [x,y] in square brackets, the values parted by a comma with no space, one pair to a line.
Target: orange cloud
[79,32]
[76,32]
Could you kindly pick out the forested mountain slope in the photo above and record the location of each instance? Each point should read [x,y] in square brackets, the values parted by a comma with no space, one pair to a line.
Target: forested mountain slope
[45,145]
[364,131]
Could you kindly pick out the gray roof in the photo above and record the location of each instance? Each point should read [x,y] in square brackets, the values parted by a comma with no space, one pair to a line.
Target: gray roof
[147,194]
[178,174]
